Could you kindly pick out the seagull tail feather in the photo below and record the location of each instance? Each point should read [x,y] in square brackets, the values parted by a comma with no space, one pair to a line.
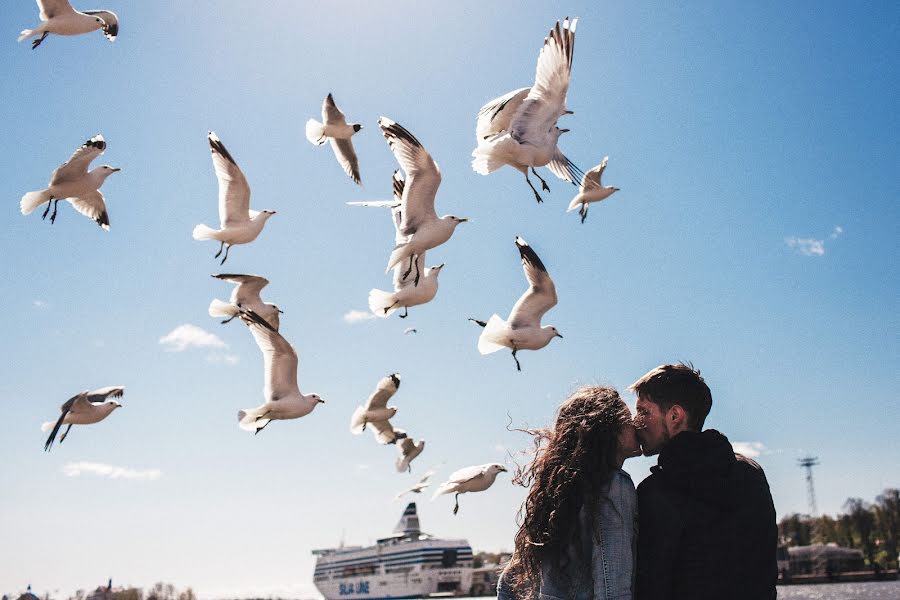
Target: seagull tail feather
[249,420]
[26,33]
[47,425]
[445,488]
[576,202]
[204,232]
[381,303]
[398,254]
[32,200]
[315,132]
[218,308]
[485,160]
[489,340]
[358,420]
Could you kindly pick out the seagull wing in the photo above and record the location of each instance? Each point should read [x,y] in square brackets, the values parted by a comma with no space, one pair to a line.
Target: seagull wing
[110,22]
[93,206]
[234,192]
[101,394]
[78,163]
[53,8]
[387,387]
[541,294]
[346,156]
[247,289]
[331,114]
[422,176]
[466,474]
[564,168]
[279,357]
[75,402]
[495,116]
[546,101]
[592,178]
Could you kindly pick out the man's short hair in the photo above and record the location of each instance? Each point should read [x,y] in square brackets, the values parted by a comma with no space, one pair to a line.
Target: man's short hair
[681,384]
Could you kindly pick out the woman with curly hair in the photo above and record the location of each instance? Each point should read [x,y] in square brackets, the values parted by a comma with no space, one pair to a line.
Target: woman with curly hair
[578,524]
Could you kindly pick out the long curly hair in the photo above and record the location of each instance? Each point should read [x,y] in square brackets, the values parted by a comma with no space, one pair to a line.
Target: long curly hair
[573,462]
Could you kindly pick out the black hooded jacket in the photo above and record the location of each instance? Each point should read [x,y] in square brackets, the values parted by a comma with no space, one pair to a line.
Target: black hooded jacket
[707,524]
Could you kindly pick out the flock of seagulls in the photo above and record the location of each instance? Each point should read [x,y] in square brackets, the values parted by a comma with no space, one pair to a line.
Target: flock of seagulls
[518,129]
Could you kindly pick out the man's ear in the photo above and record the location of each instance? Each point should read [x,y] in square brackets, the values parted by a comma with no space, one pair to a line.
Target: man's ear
[676,419]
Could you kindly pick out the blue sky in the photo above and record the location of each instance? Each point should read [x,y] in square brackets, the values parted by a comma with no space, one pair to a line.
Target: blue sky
[755,235]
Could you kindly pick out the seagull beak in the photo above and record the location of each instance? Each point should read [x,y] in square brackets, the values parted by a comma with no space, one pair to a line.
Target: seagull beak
[464,220]
[562,131]
[320,401]
[280,311]
[559,335]
[569,112]
[116,169]
[503,469]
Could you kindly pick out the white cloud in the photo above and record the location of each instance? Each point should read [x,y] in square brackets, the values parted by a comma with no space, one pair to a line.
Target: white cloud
[40,303]
[227,359]
[77,469]
[838,230]
[357,316]
[190,336]
[807,246]
[750,449]
[500,448]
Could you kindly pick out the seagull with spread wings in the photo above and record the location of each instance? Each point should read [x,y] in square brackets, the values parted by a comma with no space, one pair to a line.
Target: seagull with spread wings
[73,182]
[245,294]
[519,128]
[591,190]
[283,399]
[406,293]
[470,479]
[523,330]
[377,413]
[58,17]
[85,408]
[239,223]
[338,132]
[419,226]
[418,487]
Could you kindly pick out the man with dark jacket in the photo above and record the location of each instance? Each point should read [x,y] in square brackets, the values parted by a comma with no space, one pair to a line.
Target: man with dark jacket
[707,522]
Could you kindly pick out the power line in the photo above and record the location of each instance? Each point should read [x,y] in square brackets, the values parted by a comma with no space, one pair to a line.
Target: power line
[808,462]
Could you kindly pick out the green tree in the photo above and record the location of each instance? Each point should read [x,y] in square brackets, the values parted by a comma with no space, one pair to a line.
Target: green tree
[887,524]
[795,529]
[862,522]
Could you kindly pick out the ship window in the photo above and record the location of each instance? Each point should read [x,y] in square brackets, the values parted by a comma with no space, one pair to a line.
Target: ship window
[448,558]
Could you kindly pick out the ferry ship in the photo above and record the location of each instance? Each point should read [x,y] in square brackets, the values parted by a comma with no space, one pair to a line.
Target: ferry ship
[407,564]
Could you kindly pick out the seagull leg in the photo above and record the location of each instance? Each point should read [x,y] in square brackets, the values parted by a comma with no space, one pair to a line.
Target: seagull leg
[229,320]
[417,273]
[37,43]
[518,366]
[583,212]
[536,195]
[261,428]
[409,270]
[456,506]
[53,216]
[224,258]
[221,246]
[387,308]
[47,210]
[405,312]
[65,433]
[544,185]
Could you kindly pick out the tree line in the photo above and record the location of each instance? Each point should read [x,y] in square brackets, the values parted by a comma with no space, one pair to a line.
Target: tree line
[873,528]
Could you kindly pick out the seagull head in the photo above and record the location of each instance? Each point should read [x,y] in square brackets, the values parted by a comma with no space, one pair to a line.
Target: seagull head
[496,468]
[454,220]
[106,170]
[115,404]
[613,190]
[433,271]
[317,398]
[551,332]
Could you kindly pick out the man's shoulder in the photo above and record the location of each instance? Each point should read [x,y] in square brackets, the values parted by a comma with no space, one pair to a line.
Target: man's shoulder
[652,483]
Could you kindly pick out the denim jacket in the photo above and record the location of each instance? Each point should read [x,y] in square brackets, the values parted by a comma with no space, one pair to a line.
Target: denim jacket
[611,548]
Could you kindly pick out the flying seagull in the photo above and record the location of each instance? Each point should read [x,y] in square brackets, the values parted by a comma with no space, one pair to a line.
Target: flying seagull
[419,225]
[407,450]
[522,330]
[418,487]
[377,413]
[592,190]
[245,294]
[336,130]
[73,182]
[406,293]
[83,409]
[58,17]
[410,330]
[239,223]
[519,129]
[283,399]
[470,479]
